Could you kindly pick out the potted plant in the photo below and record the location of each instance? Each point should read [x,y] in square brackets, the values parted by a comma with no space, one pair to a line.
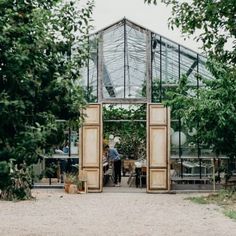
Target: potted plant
[80,185]
[70,182]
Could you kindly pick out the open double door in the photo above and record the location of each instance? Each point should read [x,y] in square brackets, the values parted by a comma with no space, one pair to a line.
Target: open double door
[158,147]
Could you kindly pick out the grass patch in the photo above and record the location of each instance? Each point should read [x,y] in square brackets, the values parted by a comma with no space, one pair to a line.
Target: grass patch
[231,214]
[198,200]
[224,198]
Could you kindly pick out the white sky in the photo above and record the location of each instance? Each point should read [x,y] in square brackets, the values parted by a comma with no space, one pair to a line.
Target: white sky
[152,17]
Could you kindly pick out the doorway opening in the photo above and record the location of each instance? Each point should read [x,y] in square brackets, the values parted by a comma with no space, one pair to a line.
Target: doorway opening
[125,129]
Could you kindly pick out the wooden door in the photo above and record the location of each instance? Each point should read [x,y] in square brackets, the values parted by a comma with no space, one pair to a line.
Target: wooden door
[158,148]
[91,147]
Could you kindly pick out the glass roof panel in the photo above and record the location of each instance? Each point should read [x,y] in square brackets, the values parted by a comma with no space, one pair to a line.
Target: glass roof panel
[135,68]
[170,62]
[188,65]
[113,58]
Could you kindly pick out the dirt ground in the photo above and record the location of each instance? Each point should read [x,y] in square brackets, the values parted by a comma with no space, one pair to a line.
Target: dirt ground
[112,213]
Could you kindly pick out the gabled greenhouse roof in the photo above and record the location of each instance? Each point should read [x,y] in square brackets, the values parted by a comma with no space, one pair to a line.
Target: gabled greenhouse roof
[127,57]
[138,26]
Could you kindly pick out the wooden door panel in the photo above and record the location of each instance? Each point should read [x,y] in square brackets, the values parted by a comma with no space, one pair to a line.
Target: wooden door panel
[92,115]
[158,179]
[91,146]
[157,115]
[93,178]
[158,147]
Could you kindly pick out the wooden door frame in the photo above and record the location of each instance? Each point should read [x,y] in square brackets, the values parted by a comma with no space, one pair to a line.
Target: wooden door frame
[95,123]
[99,125]
[165,125]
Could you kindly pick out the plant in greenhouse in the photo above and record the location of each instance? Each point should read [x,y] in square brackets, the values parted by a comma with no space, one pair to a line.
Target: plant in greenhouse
[43,44]
[132,134]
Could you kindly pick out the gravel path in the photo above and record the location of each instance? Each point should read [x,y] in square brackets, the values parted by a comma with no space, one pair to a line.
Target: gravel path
[56,213]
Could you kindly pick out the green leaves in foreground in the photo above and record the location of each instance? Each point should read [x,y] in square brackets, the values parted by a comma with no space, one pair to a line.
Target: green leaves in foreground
[214,19]
[199,200]
[43,45]
[231,214]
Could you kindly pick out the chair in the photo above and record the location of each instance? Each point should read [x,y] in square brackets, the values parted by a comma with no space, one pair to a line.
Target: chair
[143,174]
[132,174]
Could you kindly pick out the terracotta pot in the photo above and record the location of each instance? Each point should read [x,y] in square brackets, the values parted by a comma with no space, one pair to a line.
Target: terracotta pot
[67,187]
[73,189]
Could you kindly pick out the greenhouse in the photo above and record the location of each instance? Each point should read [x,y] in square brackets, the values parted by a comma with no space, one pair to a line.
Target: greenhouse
[126,82]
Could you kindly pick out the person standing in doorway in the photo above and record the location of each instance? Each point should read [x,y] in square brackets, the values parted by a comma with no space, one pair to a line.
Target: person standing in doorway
[114,156]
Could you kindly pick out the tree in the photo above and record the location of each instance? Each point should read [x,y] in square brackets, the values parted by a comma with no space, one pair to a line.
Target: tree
[42,47]
[212,20]
[212,107]
[212,111]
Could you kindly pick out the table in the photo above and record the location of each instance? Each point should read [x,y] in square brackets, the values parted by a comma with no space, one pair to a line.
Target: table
[189,179]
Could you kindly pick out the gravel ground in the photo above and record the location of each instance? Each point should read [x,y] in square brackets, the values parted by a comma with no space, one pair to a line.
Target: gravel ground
[112,213]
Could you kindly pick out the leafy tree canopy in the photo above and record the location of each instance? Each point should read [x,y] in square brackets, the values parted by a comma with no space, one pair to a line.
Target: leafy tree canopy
[212,106]
[42,47]
[214,19]
[210,109]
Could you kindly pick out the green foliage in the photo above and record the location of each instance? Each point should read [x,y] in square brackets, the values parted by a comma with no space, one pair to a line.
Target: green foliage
[50,171]
[225,198]
[213,110]
[211,107]
[198,200]
[132,134]
[17,181]
[215,20]
[231,214]
[43,45]
[71,178]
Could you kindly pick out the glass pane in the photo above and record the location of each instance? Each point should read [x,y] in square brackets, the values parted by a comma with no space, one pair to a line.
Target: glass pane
[188,65]
[189,143]
[135,59]
[113,57]
[92,70]
[170,62]
[89,72]
[174,131]
[156,68]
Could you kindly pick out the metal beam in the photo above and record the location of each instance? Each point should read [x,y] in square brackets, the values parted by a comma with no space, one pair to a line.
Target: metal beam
[148,66]
[124,101]
[100,66]
[192,67]
[124,121]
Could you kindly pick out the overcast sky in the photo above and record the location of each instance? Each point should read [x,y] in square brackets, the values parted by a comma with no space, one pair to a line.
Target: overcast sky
[152,17]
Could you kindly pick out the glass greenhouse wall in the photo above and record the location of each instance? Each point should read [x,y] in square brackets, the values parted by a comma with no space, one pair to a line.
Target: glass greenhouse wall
[131,64]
